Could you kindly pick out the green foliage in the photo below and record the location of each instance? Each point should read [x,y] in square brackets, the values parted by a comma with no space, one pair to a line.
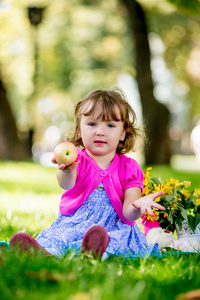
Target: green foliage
[76,48]
[177,29]
[186,6]
[83,45]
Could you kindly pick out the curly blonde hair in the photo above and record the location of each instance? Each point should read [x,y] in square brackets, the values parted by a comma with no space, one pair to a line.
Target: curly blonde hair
[109,101]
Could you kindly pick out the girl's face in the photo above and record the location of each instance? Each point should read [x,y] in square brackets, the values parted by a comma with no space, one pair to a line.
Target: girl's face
[100,137]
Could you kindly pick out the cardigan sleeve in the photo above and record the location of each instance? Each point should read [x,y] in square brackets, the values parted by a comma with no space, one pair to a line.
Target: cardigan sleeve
[133,174]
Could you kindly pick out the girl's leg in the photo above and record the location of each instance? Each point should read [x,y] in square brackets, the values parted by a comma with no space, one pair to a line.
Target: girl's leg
[24,242]
[95,241]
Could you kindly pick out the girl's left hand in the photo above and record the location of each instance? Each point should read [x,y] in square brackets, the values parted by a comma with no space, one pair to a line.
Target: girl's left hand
[146,203]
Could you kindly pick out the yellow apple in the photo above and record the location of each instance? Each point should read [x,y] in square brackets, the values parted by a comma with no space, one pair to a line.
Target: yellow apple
[65,153]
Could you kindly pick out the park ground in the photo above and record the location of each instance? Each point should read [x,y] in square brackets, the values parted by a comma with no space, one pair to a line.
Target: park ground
[29,198]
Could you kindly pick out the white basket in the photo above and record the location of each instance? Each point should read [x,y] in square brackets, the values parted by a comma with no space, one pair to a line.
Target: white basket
[186,231]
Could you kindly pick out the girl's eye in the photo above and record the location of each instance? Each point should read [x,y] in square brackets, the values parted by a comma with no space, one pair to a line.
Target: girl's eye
[92,124]
[111,125]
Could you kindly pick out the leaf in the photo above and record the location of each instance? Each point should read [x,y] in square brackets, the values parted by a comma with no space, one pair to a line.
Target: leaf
[184,213]
[169,198]
[191,222]
[198,209]
[45,275]
[195,210]
[175,192]
[191,196]
[171,218]
[197,220]
[179,223]
[156,180]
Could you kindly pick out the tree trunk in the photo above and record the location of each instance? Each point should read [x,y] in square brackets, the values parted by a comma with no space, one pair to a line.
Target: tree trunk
[156,115]
[11,147]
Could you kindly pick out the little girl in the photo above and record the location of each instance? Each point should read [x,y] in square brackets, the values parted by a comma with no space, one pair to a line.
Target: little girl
[102,197]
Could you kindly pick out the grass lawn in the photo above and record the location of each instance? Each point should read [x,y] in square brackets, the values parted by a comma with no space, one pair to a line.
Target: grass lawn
[29,198]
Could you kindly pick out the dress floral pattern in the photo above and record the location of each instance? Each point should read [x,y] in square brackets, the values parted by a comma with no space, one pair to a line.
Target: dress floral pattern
[67,231]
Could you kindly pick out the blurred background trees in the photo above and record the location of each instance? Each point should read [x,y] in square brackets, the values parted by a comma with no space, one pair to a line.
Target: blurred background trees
[81,45]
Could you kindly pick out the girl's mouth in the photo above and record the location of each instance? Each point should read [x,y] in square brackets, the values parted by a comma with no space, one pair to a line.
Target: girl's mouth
[100,142]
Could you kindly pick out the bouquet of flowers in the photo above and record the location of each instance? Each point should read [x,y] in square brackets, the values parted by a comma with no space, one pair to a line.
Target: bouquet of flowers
[179,203]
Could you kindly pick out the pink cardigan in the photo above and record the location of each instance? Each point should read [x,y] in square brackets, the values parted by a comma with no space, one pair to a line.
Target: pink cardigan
[121,174]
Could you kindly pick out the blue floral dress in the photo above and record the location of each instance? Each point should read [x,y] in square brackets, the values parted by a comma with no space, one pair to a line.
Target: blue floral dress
[67,231]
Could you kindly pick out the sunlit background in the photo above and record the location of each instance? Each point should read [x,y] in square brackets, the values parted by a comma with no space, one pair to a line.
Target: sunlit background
[48,64]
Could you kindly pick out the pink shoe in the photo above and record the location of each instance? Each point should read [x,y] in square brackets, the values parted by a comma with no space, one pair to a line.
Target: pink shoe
[95,240]
[24,242]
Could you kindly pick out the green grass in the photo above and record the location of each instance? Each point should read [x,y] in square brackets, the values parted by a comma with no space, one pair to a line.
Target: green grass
[29,198]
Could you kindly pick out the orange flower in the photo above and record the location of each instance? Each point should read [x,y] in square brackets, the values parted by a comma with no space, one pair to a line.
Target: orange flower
[185,193]
[198,201]
[197,193]
[152,218]
[174,206]
[166,215]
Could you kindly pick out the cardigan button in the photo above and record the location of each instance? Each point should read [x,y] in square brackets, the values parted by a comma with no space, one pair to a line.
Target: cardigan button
[103,173]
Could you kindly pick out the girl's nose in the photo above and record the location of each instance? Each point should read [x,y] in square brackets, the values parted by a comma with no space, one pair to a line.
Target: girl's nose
[100,130]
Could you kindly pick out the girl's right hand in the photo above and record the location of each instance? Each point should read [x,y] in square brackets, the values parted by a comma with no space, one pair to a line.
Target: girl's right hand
[68,169]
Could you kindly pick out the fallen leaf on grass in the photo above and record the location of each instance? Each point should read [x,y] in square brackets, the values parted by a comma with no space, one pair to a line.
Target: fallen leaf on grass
[93,294]
[45,275]
[192,295]
[81,296]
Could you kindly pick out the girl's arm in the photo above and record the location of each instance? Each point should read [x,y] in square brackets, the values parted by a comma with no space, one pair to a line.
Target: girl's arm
[66,175]
[134,206]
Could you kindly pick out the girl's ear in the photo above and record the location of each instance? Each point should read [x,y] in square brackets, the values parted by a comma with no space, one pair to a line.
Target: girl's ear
[123,135]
